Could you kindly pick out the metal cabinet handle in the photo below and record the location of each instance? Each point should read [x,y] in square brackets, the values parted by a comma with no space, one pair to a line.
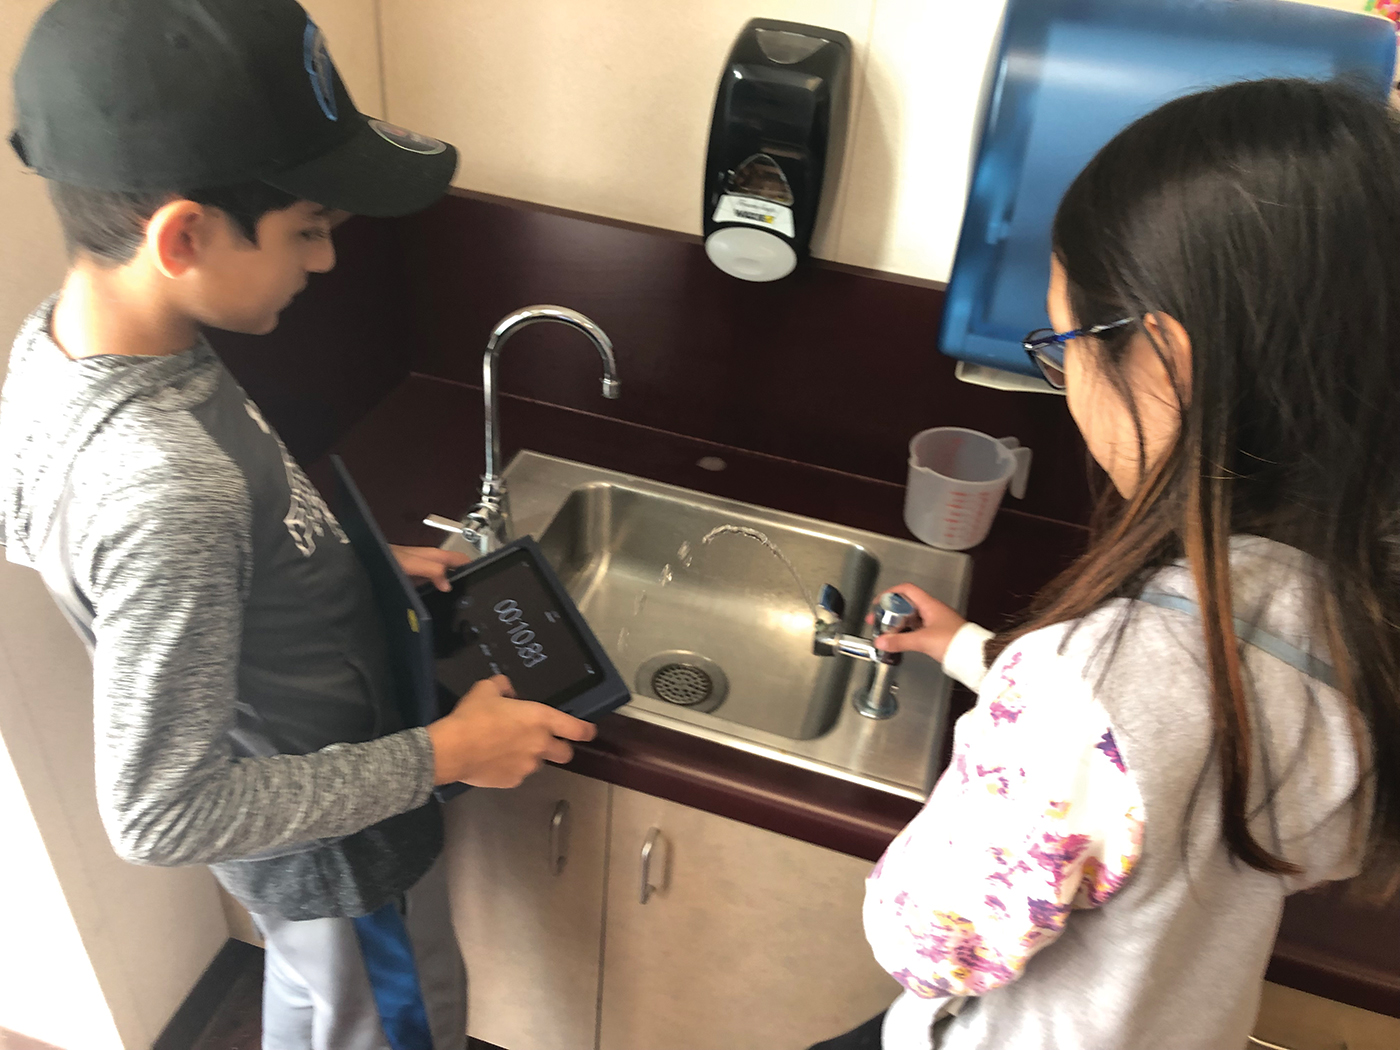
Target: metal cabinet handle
[1274,1046]
[648,847]
[559,837]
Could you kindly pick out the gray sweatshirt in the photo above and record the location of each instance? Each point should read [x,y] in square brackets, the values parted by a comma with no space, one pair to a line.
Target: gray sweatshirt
[1068,883]
[244,712]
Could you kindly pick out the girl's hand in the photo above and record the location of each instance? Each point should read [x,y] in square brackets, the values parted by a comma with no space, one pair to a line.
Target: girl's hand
[429,563]
[940,623]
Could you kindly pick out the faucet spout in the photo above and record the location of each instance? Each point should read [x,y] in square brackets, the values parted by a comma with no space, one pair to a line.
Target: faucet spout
[487,525]
[507,327]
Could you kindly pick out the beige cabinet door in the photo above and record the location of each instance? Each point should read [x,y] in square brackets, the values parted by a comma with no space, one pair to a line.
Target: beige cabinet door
[750,940]
[531,929]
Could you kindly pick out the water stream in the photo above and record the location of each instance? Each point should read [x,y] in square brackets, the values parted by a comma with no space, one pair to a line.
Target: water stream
[685,556]
[758,537]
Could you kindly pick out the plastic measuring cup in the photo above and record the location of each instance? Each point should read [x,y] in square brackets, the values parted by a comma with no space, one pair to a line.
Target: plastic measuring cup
[956,480]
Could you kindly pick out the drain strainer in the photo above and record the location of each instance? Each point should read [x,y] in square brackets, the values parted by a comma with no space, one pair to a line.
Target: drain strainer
[683,684]
[683,678]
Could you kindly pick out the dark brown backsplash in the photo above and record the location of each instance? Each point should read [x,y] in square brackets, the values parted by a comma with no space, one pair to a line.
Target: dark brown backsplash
[830,367]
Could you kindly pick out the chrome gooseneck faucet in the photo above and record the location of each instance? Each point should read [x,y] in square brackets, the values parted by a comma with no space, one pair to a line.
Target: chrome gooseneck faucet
[892,613]
[486,526]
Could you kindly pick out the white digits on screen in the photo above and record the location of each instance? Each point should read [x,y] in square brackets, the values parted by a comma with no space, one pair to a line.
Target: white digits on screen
[530,651]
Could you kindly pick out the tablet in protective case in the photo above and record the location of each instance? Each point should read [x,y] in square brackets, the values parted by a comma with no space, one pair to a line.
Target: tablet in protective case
[508,613]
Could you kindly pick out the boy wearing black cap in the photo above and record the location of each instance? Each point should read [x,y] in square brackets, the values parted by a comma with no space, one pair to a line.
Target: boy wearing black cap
[198,153]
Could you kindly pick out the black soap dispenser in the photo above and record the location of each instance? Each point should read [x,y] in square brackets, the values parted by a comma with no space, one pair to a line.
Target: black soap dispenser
[776,140]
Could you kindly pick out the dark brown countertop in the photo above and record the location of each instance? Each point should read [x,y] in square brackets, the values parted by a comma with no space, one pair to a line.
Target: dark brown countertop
[418,452]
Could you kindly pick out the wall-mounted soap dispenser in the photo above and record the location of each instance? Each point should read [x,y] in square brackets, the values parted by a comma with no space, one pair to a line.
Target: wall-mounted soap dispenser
[776,141]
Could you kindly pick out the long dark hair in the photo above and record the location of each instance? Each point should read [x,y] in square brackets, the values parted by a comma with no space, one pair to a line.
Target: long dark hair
[1265,218]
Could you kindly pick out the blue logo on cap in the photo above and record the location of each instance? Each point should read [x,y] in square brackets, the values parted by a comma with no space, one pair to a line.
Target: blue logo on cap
[317,59]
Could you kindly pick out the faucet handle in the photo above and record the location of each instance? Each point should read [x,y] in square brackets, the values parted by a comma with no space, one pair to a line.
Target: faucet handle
[437,521]
[894,613]
[831,602]
[475,529]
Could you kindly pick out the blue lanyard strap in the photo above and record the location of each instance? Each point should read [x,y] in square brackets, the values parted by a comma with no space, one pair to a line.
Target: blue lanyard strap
[1254,635]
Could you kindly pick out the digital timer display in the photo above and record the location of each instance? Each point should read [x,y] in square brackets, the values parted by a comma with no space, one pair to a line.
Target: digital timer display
[502,619]
[531,652]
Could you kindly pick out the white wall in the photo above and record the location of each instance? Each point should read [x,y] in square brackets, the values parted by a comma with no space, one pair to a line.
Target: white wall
[41,940]
[120,945]
[604,107]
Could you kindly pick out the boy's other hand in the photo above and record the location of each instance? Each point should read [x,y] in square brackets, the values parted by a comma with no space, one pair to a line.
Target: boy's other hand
[429,563]
[493,740]
[940,623]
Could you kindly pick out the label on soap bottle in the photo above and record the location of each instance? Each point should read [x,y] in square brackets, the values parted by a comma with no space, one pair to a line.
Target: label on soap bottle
[755,211]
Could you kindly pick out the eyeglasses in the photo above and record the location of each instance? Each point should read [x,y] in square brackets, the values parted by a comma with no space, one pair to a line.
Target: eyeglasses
[1046,348]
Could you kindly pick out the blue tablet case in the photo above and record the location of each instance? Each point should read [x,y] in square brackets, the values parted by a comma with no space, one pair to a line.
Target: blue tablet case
[407,626]
[406,621]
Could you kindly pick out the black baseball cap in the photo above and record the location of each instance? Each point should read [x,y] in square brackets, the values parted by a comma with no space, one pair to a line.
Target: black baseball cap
[182,95]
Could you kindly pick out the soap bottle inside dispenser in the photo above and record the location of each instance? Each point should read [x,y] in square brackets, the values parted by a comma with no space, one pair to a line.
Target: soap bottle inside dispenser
[776,141]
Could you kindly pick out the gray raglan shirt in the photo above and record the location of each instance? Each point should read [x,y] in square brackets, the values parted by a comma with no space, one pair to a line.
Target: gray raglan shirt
[1094,738]
[244,711]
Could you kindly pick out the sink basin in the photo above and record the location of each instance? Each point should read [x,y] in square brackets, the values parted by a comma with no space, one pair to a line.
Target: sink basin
[704,605]
[660,585]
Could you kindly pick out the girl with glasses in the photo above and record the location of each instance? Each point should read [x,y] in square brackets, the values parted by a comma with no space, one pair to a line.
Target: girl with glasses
[1202,715]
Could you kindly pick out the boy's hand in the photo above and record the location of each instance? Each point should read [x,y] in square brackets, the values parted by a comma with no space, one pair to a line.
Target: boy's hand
[493,740]
[940,623]
[429,563]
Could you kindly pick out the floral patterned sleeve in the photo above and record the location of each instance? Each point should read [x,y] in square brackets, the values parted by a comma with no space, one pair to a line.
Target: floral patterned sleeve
[1036,816]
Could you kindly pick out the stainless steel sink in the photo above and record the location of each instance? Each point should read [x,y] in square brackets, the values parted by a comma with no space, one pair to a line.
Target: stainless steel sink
[653,586]
[713,629]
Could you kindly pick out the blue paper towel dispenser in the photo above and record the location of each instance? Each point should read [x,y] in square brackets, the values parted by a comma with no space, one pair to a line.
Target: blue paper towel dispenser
[1070,74]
